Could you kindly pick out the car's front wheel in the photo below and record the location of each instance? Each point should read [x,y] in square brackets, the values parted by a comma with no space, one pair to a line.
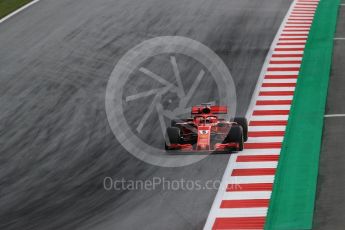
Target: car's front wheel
[242,121]
[236,135]
[173,136]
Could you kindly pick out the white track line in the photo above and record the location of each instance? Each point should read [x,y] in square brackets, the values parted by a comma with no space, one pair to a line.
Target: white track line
[250,165]
[238,195]
[19,10]
[282,72]
[253,152]
[266,128]
[283,65]
[290,52]
[335,115]
[280,81]
[276,89]
[301,21]
[296,29]
[295,24]
[287,58]
[302,33]
[292,41]
[302,17]
[270,118]
[270,97]
[271,107]
[264,140]
[249,179]
[241,212]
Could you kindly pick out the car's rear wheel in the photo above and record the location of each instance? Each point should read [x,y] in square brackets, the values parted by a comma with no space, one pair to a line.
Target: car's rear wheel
[242,121]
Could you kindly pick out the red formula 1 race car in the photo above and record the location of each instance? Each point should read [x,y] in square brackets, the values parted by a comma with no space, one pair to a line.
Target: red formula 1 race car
[206,131]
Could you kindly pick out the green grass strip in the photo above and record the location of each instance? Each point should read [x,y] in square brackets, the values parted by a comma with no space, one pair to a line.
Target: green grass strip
[292,202]
[8,6]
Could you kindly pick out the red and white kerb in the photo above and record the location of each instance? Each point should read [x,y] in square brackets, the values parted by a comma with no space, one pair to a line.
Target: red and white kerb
[243,201]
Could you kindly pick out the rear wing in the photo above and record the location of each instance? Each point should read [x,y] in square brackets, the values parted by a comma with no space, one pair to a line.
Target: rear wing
[215,109]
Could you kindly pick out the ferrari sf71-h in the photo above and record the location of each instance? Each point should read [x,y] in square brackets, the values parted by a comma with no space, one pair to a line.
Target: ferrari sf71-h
[207,131]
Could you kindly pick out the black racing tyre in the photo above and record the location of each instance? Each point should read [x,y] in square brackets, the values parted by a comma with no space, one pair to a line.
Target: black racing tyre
[174,135]
[242,121]
[236,135]
[241,146]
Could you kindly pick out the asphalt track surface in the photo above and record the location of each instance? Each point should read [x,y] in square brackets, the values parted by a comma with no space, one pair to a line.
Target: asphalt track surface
[56,143]
[329,205]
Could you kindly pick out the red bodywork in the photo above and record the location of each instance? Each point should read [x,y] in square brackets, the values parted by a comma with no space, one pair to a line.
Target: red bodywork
[205,131]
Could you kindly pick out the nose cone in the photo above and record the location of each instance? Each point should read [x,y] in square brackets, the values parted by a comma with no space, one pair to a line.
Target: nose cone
[204,135]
